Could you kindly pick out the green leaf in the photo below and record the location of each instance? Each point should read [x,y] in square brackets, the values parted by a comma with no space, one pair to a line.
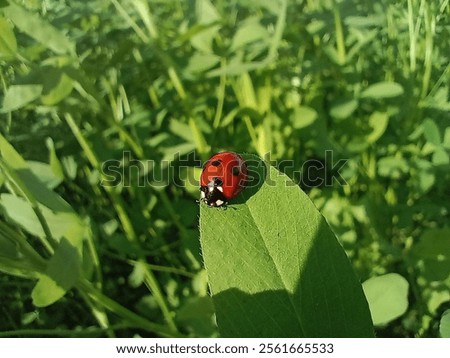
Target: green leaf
[44,172]
[38,29]
[378,121]
[436,299]
[431,132]
[303,116]
[18,96]
[435,270]
[199,63]
[245,92]
[364,21]
[57,87]
[236,67]
[271,6]
[433,244]
[248,32]
[275,268]
[383,90]
[440,157]
[19,268]
[387,296]
[426,177]
[70,166]
[55,164]
[63,271]
[180,129]
[30,185]
[206,14]
[392,167]
[137,276]
[197,314]
[446,141]
[343,108]
[21,213]
[61,224]
[8,43]
[65,226]
[444,325]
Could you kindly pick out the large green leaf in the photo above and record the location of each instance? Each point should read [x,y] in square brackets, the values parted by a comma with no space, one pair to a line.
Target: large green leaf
[275,268]
[387,296]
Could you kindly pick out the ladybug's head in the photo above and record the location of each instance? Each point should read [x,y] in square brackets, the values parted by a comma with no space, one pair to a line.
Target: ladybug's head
[212,193]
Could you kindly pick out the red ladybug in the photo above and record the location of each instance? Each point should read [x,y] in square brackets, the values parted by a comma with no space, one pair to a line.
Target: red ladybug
[223,178]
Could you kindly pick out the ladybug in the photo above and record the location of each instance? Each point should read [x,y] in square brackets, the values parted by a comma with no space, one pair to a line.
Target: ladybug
[223,178]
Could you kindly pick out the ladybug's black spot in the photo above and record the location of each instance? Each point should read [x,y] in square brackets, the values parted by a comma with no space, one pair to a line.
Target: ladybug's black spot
[215,163]
[235,171]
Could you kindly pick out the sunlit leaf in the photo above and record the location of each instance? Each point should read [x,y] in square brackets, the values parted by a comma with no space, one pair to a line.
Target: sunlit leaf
[343,108]
[18,96]
[63,271]
[206,14]
[378,121]
[56,88]
[8,43]
[392,167]
[248,32]
[303,116]
[387,296]
[383,90]
[36,27]
[55,164]
[44,172]
[271,257]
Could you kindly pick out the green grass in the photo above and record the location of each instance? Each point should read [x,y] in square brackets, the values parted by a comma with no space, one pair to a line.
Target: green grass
[172,82]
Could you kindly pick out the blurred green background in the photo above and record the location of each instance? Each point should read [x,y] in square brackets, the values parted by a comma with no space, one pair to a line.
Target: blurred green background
[169,83]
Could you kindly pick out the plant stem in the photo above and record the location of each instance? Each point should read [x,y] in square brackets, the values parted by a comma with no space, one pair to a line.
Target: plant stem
[340,43]
[429,43]
[220,96]
[412,38]
[125,313]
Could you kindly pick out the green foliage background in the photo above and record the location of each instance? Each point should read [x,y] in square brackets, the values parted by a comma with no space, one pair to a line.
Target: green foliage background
[82,83]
